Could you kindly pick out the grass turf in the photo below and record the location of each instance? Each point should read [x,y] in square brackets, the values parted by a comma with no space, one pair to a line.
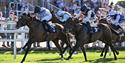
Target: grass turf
[53,57]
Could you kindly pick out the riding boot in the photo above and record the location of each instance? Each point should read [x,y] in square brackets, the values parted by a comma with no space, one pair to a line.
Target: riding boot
[89,30]
[50,27]
[121,32]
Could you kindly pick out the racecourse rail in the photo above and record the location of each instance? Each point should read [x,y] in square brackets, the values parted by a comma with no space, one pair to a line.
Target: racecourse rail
[16,31]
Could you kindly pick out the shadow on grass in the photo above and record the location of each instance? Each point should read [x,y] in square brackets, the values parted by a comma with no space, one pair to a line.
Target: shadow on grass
[121,58]
[103,60]
[49,60]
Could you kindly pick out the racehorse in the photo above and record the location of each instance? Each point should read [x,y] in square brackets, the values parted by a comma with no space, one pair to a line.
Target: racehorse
[83,37]
[115,37]
[38,33]
[68,34]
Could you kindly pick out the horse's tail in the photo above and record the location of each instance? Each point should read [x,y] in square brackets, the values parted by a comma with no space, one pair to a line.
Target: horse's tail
[59,27]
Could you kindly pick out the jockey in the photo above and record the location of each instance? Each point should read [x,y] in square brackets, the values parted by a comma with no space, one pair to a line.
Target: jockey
[63,16]
[45,16]
[116,19]
[89,17]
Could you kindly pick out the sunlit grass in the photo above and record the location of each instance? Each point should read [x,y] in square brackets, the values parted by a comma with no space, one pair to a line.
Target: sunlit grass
[53,57]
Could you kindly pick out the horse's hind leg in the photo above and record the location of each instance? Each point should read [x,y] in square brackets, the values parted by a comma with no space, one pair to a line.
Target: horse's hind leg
[84,52]
[103,51]
[27,50]
[113,49]
[117,52]
[59,47]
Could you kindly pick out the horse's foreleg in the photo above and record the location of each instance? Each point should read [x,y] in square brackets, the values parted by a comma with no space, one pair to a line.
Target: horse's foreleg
[117,52]
[106,50]
[65,39]
[23,48]
[84,52]
[73,50]
[59,47]
[27,50]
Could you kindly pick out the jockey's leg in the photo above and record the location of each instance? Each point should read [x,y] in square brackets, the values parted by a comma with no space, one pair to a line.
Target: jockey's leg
[50,27]
[88,26]
[89,29]
[121,31]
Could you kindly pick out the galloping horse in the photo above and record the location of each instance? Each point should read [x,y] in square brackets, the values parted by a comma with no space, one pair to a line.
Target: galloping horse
[38,33]
[68,34]
[115,37]
[82,36]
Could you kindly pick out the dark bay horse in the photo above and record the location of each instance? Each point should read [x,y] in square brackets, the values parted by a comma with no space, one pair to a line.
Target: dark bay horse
[68,34]
[115,37]
[37,33]
[82,36]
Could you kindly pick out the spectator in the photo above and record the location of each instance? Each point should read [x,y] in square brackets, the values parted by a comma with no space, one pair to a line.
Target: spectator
[36,44]
[94,5]
[2,28]
[12,18]
[60,4]
[105,3]
[25,8]
[12,6]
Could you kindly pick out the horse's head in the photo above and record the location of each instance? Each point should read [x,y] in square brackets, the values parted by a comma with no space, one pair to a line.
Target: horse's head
[71,25]
[23,20]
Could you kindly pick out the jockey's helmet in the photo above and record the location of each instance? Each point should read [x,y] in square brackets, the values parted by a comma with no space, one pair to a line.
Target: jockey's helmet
[36,9]
[84,8]
[42,9]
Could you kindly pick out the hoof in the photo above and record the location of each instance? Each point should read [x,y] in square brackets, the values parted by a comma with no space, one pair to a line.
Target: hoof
[86,60]
[21,51]
[68,58]
[117,53]
[115,58]
[101,55]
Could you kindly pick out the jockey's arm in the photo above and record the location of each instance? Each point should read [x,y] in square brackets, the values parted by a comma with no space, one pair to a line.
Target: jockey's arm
[89,14]
[65,17]
[94,19]
[116,21]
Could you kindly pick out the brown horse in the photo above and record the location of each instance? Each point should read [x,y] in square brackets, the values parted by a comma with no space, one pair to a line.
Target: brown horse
[82,36]
[115,37]
[68,34]
[38,33]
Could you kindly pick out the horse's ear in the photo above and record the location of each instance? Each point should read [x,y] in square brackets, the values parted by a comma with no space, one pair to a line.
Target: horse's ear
[24,14]
[28,14]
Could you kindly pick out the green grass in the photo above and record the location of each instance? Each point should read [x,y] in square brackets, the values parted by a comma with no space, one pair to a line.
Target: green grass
[53,57]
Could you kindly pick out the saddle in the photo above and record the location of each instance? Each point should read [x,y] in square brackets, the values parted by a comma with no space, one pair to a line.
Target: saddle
[90,29]
[49,27]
